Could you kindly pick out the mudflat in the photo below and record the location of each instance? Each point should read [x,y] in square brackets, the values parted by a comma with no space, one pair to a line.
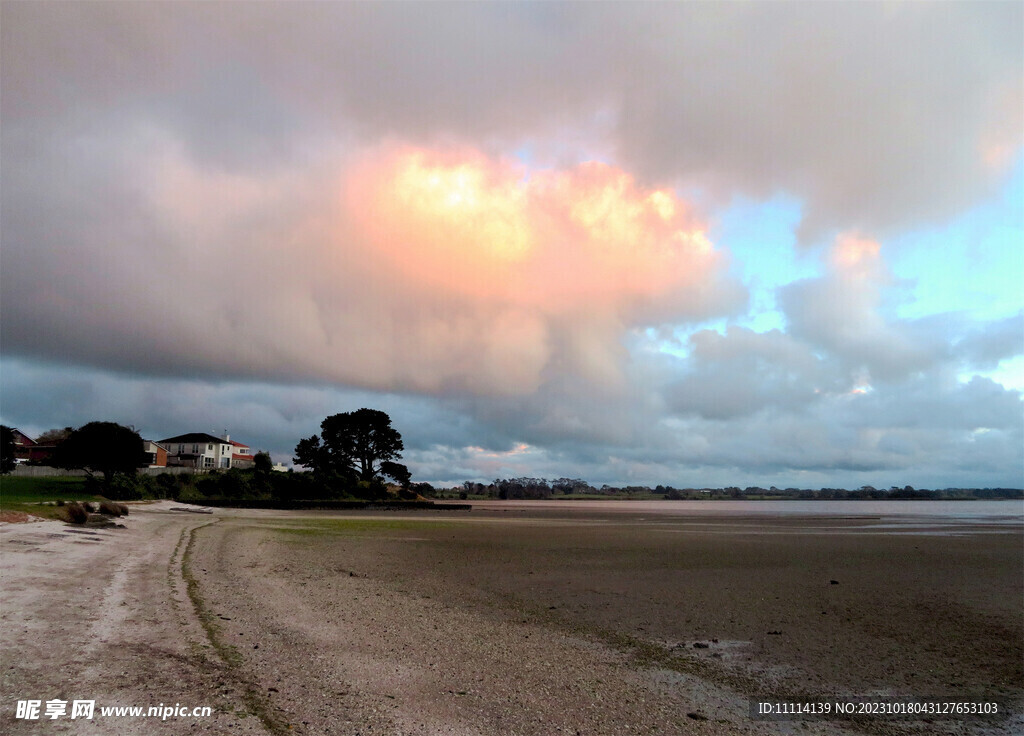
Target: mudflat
[506,620]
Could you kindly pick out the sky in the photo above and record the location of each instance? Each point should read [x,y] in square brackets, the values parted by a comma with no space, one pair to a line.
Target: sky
[690,244]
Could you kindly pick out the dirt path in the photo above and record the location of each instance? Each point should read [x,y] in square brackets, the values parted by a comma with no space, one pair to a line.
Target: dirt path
[105,615]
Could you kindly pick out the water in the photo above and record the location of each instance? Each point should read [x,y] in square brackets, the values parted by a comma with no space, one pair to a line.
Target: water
[947,518]
[967,510]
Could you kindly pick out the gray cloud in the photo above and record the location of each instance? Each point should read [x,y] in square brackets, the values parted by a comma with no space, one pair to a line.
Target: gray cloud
[864,111]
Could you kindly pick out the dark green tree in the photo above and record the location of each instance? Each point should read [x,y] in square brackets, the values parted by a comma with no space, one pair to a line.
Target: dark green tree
[7,461]
[397,472]
[353,443]
[262,463]
[102,447]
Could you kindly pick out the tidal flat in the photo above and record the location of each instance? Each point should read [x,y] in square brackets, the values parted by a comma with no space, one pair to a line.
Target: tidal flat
[529,620]
[525,619]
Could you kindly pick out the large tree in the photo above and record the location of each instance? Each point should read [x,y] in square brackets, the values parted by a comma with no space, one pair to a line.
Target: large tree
[360,443]
[102,447]
[7,461]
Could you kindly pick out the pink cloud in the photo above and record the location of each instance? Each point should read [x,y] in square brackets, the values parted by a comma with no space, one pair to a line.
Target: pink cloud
[584,239]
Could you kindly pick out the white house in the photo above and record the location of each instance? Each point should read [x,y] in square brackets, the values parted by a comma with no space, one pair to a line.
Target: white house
[206,452]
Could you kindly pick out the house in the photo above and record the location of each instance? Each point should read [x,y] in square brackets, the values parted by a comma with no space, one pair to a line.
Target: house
[27,450]
[23,445]
[204,451]
[156,454]
[241,455]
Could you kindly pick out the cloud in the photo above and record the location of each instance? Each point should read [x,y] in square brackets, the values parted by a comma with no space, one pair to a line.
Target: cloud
[849,389]
[844,314]
[408,269]
[876,116]
[468,215]
[743,372]
[984,347]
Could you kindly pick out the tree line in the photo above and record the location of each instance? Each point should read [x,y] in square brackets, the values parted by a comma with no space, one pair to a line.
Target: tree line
[540,488]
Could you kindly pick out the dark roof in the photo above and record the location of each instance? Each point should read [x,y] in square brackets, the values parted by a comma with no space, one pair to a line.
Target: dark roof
[195,438]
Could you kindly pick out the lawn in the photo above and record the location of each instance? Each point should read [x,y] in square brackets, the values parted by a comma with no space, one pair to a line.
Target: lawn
[36,495]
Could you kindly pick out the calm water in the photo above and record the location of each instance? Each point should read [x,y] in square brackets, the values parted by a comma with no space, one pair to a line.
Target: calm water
[901,513]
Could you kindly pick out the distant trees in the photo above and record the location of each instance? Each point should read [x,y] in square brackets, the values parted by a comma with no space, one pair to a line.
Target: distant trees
[359,445]
[102,447]
[7,461]
[54,436]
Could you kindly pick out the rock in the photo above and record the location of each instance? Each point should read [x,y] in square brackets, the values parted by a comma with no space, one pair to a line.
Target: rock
[700,645]
[696,716]
[833,582]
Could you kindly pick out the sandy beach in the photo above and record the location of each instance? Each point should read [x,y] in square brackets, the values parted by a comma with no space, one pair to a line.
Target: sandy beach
[506,620]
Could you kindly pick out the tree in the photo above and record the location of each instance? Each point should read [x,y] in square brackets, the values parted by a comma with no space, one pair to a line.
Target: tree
[355,443]
[262,463]
[397,472]
[7,461]
[102,447]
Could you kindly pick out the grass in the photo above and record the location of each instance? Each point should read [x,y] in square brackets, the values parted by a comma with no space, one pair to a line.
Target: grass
[255,700]
[316,527]
[36,496]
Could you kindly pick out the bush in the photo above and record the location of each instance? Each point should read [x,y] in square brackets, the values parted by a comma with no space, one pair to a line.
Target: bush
[189,494]
[166,485]
[110,508]
[75,513]
[88,507]
[370,490]
[124,488]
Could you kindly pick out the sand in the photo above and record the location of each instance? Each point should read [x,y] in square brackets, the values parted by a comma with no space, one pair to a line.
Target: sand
[503,621]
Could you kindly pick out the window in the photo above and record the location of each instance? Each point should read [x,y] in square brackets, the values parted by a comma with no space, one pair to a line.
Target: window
[209,447]
[225,462]
[207,461]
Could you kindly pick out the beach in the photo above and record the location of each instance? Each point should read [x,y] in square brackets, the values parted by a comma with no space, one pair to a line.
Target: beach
[510,619]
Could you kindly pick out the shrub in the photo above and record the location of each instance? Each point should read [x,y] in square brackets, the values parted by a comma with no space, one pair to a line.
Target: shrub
[123,488]
[124,509]
[75,513]
[190,495]
[167,485]
[110,508]
[88,507]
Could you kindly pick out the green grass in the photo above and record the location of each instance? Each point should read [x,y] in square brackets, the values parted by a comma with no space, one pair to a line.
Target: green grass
[36,495]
